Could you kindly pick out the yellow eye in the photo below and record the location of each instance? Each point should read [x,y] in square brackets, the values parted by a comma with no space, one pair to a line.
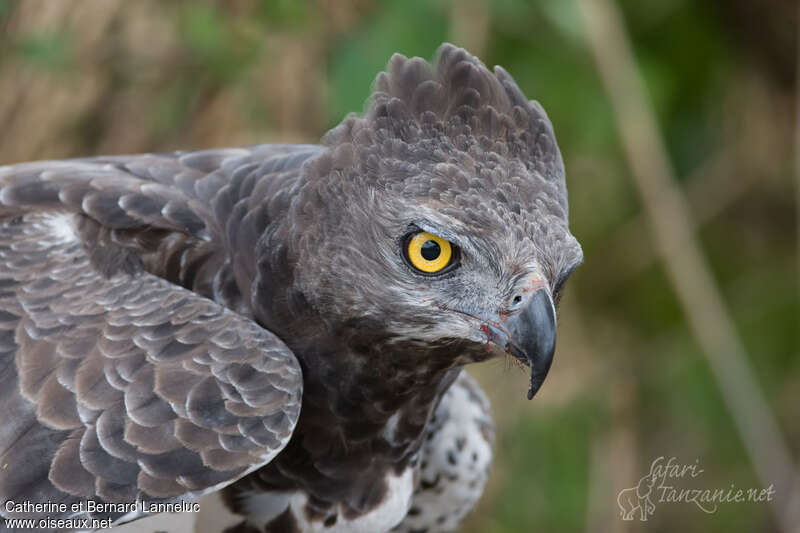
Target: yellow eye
[429,253]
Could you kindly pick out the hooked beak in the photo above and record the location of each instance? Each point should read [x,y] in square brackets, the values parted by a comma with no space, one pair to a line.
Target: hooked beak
[530,336]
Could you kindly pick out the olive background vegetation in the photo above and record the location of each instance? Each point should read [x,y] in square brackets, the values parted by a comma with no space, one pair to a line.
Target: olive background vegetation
[629,382]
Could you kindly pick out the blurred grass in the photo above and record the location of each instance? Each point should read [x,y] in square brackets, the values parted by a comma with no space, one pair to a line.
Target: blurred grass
[547,489]
[629,383]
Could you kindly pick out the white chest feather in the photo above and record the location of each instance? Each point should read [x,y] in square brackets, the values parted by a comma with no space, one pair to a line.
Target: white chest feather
[261,508]
[454,460]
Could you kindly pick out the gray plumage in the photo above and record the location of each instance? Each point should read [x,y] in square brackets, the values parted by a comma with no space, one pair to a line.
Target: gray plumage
[163,316]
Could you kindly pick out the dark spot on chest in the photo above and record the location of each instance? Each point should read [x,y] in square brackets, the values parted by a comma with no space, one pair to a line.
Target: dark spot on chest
[451,458]
[430,484]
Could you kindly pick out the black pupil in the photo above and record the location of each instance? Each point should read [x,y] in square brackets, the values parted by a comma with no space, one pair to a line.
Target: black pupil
[430,250]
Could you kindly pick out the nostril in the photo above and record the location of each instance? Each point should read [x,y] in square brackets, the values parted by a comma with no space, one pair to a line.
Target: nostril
[514,305]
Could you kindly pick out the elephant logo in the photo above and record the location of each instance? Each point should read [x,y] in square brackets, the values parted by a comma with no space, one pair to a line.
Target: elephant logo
[637,498]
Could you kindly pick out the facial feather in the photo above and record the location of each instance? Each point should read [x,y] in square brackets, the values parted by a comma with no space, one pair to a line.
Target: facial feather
[454,147]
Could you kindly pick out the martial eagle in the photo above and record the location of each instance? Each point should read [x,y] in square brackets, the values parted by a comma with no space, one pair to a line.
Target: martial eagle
[285,323]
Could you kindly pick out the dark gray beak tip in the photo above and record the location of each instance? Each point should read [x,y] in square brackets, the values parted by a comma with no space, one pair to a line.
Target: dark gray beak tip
[531,391]
[533,335]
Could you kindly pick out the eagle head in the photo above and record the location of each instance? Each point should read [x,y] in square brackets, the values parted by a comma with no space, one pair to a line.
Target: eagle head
[440,216]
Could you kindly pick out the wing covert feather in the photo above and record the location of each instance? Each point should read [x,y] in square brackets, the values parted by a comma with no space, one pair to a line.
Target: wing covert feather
[126,387]
[180,191]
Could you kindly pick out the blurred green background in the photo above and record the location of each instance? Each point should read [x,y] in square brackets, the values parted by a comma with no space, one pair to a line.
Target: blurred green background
[630,382]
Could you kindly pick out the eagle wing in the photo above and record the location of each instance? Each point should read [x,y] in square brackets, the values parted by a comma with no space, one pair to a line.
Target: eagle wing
[117,385]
